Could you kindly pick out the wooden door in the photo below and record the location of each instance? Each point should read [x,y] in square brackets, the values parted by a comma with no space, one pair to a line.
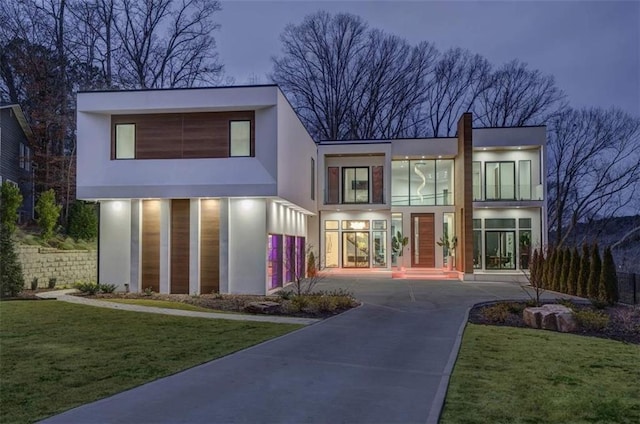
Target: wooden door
[423,241]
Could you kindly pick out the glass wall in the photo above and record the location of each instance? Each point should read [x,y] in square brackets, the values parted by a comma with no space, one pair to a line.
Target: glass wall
[422,182]
[524,179]
[500,180]
[477,180]
[355,185]
[355,249]
[448,232]
[379,243]
[331,243]
[396,226]
[274,266]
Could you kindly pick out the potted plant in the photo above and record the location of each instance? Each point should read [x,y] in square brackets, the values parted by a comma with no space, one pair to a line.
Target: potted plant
[450,245]
[398,243]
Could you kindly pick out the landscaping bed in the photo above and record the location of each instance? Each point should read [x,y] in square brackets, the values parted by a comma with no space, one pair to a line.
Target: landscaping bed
[618,322]
[314,305]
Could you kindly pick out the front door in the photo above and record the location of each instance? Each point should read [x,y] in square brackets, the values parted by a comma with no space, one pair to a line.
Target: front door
[423,243]
[355,249]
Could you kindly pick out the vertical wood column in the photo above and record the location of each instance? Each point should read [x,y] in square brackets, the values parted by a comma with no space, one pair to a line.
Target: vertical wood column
[179,255]
[209,246]
[464,195]
[150,252]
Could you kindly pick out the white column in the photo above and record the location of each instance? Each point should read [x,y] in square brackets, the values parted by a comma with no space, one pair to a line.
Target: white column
[165,243]
[224,245]
[115,257]
[135,246]
[194,246]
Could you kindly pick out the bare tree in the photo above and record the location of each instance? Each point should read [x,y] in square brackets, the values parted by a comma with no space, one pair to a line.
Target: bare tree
[350,82]
[594,167]
[517,96]
[459,78]
[167,43]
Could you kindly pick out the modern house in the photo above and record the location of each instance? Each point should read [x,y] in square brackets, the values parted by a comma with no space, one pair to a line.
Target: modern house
[15,155]
[222,189]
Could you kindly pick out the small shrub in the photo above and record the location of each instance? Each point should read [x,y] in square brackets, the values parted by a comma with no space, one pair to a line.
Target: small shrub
[300,302]
[312,271]
[83,221]
[598,304]
[87,288]
[217,295]
[48,213]
[108,288]
[515,307]
[565,302]
[343,302]
[285,294]
[594,273]
[52,282]
[497,313]
[592,320]
[323,303]
[10,201]
[148,291]
[34,283]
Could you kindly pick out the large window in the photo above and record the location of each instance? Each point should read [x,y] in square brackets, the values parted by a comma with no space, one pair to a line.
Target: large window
[500,180]
[240,138]
[355,185]
[477,180]
[313,179]
[524,179]
[274,267]
[422,182]
[125,141]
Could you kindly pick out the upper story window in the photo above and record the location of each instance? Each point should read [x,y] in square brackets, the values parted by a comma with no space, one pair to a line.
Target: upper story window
[240,138]
[361,184]
[500,178]
[422,182]
[25,157]
[313,179]
[355,185]
[125,141]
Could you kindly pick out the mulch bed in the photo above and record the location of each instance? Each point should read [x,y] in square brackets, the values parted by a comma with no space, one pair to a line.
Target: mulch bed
[624,320]
[230,303]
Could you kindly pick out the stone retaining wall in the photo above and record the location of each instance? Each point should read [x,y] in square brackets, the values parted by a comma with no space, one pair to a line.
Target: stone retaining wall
[68,266]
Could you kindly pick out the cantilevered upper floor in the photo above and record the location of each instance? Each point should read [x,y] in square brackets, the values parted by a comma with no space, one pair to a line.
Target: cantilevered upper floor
[186,143]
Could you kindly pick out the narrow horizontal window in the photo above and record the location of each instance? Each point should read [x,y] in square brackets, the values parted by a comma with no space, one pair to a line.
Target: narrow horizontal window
[125,141]
[240,138]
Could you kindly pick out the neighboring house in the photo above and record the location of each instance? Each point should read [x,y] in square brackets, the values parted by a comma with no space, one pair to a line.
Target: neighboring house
[221,189]
[16,164]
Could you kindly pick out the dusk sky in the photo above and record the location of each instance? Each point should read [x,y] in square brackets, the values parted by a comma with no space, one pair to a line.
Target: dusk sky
[592,48]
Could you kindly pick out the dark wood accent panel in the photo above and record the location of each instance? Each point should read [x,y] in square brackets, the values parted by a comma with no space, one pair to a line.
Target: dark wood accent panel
[333,185]
[426,240]
[183,135]
[150,258]
[180,246]
[463,195]
[377,184]
[209,246]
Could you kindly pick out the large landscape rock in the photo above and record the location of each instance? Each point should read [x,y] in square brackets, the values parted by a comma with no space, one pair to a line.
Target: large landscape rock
[550,317]
[264,307]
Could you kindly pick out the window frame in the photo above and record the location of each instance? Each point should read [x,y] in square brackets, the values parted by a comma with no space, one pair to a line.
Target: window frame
[115,140]
[251,148]
[355,174]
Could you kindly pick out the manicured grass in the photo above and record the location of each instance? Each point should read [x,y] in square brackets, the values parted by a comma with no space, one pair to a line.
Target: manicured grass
[515,375]
[162,304]
[54,355]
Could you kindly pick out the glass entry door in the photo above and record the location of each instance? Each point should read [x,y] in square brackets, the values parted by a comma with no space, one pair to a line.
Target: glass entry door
[355,250]
[500,249]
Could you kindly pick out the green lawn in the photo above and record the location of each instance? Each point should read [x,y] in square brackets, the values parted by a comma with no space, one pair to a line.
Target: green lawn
[162,304]
[514,375]
[55,355]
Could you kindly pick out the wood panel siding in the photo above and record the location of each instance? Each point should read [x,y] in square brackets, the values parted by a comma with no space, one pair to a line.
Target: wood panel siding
[425,243]
[377,184]
[183,135]
[209,246]
[333,185]
[180,246]
[150,257]
[463,195]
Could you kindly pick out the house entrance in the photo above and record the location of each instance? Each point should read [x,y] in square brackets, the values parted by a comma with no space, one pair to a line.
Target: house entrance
[355,249]
[423,243]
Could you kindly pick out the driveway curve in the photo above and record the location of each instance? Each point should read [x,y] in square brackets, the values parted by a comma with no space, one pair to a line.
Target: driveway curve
[387,361]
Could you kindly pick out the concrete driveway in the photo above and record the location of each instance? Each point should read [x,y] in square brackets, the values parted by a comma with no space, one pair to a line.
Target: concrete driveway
[387,361]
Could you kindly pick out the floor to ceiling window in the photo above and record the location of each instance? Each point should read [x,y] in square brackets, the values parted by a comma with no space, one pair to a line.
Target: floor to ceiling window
[500,178]
[331,244]
[274,266]
[500,243]
[422,182]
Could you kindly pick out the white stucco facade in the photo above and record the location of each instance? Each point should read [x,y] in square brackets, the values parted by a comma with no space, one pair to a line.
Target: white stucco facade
[236,224]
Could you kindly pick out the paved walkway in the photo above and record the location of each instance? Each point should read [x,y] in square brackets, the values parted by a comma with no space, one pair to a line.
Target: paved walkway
[388,361]
[64,295]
